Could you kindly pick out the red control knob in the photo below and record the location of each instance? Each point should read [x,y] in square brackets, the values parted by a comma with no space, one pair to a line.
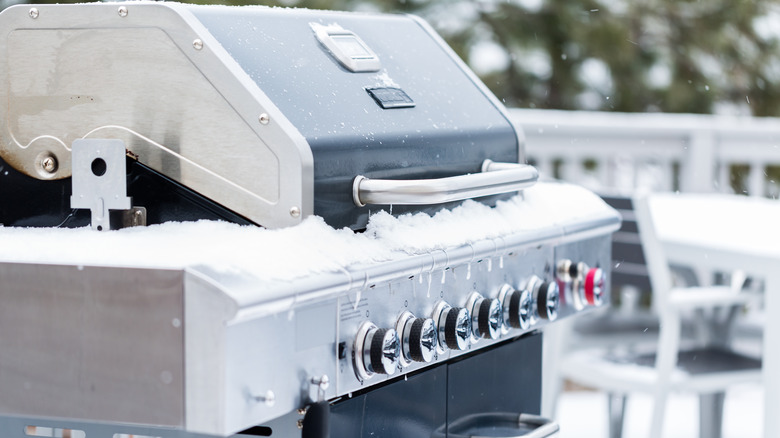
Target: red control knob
[593,290]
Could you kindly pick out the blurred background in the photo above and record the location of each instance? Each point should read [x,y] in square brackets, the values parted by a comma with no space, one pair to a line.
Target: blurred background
[625,96]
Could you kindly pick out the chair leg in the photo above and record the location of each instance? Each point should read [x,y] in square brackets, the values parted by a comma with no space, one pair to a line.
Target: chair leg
[616,405]
[711,415]
[665,362]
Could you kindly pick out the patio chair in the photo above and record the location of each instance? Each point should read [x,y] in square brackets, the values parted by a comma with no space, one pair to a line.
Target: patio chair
[705,365]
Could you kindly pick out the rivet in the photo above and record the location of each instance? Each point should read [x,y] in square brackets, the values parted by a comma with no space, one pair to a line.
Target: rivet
[197,44]
[122,11]
[49,164]
[300,424]
[264,118]
[295,211]
[34,13]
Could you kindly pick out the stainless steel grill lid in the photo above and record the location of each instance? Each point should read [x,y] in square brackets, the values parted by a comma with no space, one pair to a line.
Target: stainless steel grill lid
[269,113]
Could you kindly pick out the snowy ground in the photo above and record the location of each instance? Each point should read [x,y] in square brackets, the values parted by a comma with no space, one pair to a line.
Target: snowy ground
[583,414]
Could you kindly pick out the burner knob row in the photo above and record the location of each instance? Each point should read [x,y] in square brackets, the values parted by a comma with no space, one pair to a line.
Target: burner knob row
[381,350]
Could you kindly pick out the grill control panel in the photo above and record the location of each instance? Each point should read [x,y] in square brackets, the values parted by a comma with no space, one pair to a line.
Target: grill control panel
[400,326]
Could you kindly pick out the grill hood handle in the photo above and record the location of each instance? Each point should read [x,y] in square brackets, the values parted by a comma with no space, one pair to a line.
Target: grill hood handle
[494,179]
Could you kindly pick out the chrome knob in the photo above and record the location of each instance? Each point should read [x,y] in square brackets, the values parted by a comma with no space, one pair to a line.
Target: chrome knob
[454,324]
[567,271]
[418,338]
[485,316]
[546,297]
[517,306]
[592,287]
[376,351]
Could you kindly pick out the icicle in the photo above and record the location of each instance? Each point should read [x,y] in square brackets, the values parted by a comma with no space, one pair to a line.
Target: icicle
[468,271]
[490,265]
[358,295]
[291,315]
[430,277]
[501,262]
[443,276]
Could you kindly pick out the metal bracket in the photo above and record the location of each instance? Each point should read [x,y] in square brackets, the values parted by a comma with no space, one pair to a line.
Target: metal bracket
[99,179]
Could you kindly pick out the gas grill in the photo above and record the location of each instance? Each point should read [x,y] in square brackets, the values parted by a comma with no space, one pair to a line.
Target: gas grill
[141,114]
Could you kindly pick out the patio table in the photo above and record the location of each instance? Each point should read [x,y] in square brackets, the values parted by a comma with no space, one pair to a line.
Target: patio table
[727,233]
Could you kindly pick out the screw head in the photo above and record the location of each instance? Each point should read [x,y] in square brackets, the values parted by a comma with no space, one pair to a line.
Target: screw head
[264,118]
[197,44]
[49,164]
[34,13]
[122,11]
[295,211]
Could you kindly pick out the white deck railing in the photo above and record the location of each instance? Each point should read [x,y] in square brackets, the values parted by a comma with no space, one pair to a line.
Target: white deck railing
[624,152]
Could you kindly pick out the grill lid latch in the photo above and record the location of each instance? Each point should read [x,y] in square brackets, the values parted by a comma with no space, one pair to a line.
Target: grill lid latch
[100,184]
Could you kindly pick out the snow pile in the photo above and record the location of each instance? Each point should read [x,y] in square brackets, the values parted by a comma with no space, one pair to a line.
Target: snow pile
[308,248]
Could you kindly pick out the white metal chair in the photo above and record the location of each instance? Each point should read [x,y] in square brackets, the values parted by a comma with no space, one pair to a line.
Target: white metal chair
[705,365]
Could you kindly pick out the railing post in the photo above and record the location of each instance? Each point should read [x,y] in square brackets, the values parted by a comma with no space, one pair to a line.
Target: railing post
[698,170]
[724,177]
[756,179]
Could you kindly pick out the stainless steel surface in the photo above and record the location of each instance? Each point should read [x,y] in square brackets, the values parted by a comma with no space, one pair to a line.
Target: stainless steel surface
[171,104]
[269,398]
[495,178]
[92,343]
[99,179]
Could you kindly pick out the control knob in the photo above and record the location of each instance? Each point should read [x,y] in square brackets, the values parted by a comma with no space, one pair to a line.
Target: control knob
[518,306]
[454,325]
[567,271]
[376,351]
[592,287]
[485,316]
[418,338]
[546,296]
